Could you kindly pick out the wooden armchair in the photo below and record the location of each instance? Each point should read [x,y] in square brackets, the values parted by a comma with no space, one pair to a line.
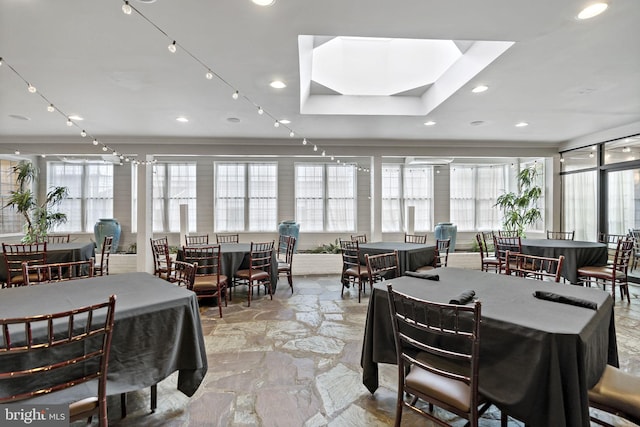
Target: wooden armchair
[382,266]
[360,238]
[228,238]
[353,272]
[196,239]
[286,245]
[534,267]
[415,238]
[102,268]
[259,271]
[57,238]
[16,254]
[162,258]
[57,272]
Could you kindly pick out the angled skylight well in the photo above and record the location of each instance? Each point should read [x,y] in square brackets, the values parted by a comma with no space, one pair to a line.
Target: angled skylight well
[386,76]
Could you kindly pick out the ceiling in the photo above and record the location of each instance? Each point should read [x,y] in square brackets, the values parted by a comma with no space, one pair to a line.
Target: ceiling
[566,78]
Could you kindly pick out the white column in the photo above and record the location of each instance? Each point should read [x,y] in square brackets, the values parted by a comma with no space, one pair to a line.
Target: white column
[184,223]
[411,219]
[144,260]
[376,198]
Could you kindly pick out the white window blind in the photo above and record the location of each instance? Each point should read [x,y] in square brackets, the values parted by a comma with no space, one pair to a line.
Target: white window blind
[404,186]
[174,184]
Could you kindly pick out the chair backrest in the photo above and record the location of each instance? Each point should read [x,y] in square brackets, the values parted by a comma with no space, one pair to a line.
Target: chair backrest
[283,245]
[260,256]
[441,258]
[483,248]
[561,235]
[185,273]
[611,240]
[507,233]
[350,254]
[82,340]
[196,239]
[623,254]
[415,238]
[535,267]
[105,251]
[383,266]
[291,245]
[447,335]
[503,244]
[206,259]
[161,255]
[57,272]
[57,238]
[360,238]
[228,238]
[16,254]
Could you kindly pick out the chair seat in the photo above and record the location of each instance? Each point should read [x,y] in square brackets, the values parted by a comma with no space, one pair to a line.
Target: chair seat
[283,266]
[600,272]
[424,268]
[254,274]
[491,260]
[207,284]
[82,408]
[354,272]
[618,390]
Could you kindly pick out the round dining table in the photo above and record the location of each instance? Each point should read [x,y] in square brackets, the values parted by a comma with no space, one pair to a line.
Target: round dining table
[576,253]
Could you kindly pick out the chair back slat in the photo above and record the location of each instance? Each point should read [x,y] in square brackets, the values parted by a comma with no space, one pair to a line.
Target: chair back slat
[383,266]
[561,235]
[228,238]
[16,254]
[535,267]
[196,239]
[58,272]
[361,238]
[415,238]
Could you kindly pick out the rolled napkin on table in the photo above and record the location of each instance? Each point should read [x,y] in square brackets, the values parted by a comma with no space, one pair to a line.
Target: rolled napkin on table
[427,276]
[550,296]
[463,298]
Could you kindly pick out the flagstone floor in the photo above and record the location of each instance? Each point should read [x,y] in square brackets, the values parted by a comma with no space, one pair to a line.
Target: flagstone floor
[295,361]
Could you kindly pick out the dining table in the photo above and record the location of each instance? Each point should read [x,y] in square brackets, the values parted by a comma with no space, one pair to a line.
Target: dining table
[157,330]
[61,252]
[576,253]
[538,358]
[411,256]
[235,256]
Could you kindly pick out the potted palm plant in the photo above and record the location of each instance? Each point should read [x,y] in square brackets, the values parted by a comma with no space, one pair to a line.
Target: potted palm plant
[40,217]
[520,209]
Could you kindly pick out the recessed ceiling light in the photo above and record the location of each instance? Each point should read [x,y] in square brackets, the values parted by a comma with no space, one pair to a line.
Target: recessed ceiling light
[264,2]
[429,123]
[285,121]
[278,84]
[182,119]
[76,117]
[521,124]
[479,89]
[592,10]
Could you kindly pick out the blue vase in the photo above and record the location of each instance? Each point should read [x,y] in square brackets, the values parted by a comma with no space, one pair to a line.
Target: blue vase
[107,227]
[447,230]
[290,228]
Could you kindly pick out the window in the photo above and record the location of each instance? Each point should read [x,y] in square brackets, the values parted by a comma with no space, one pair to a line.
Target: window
[474,190]
[404,186]
[325,197]
[539,225]
[90,195]
[579,204]
[174,184]
[12,221]
[246,196]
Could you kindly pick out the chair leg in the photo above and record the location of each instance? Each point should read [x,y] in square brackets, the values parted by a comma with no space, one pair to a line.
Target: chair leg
[123,405]
[290,279]
[154,397]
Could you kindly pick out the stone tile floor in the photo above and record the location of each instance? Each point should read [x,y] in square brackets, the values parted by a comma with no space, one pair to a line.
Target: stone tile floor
[295,361]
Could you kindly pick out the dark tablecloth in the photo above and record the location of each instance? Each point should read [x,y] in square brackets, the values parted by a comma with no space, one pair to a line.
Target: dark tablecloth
[235,256]
[576,253]
[61,252]
[157,329]
[410,255]
[537,358]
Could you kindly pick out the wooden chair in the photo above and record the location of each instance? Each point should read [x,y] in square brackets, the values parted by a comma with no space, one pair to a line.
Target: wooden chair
[228,238]
[535,267]
[259,271]
[57,238]
[415,238]
[286,245]
[382,266]
[488,261]
[504,245]
[438,353]
[360,238]
[16,254]
[185,273]
[353,272]
[561,235]
[618,393]
[78,348]
[441,256]
[611,240]
[635,233]
[57,272]
[196,239]
[614,274]
[208,282]
[102,268]
[162,258]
